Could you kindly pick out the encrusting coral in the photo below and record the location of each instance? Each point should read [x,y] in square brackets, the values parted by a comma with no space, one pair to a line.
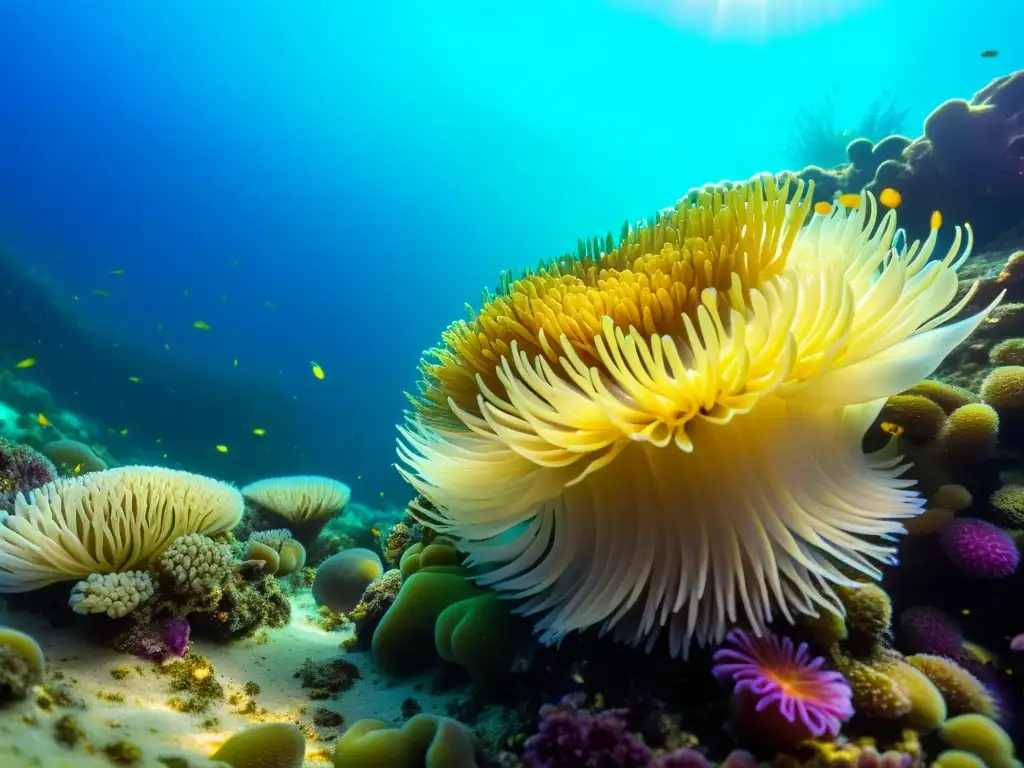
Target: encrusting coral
[713,373]
[22,469]
[107,522]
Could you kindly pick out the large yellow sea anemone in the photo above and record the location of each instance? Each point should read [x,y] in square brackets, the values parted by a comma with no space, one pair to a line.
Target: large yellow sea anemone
[667,434]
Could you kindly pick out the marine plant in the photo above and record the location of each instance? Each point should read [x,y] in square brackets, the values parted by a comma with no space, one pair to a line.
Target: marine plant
[664,431]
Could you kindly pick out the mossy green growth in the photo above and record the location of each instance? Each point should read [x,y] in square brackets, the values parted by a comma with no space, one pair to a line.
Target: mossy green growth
[983,737]
[426,741]
[268,745]
[21,664]
[408,626]
[478,634]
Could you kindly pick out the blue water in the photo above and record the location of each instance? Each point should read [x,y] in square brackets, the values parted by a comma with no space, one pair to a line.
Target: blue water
[332,180]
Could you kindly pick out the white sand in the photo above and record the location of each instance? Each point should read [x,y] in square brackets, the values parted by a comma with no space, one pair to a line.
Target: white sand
[144,718]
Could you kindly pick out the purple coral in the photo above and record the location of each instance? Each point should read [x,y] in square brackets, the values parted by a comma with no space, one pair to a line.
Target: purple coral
[929,630]
[979,548]
[22,469]
[570,737]
[782,694]
[157,641]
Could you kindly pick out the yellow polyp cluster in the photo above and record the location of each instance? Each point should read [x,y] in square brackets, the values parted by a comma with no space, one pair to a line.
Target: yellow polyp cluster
[654,282]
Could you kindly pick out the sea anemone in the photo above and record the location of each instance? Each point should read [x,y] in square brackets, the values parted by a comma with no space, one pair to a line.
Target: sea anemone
[782,695]
[979,548]
[666,433]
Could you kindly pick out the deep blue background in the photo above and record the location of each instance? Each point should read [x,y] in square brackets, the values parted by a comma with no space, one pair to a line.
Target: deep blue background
[368,167]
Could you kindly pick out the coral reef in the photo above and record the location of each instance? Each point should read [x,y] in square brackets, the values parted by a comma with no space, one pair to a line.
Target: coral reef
[45,540]
[969,164]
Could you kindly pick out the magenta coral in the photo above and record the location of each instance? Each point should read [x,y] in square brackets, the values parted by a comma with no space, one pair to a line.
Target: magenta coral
[569,736]
[782,694]
[157,641]
[928,630]
[980,549]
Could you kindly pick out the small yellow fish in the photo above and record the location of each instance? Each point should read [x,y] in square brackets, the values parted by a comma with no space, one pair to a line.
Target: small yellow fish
[221,448]
[823,208]
[318,372]
[382,494]
[375,531]
[234,363]
[43,421]
[893,429]
[28,362]
[849,200]
[980,653]
[124,431]
[199,324]
[936,221]
[100,292]
[77,469]
[134,379]
[890,198]
[116,272]
[259,431]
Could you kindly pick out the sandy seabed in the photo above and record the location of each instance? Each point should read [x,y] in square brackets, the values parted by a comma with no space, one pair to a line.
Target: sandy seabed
[126,698]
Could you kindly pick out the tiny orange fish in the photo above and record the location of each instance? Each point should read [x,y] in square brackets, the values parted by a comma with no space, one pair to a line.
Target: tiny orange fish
[375,531]
[78,469]
[318,372]
[893,429]
[849,200]
[890,198]
[43,421]
[823,208]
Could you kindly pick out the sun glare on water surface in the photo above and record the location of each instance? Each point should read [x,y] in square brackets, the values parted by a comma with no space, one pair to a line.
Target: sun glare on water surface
[756,19]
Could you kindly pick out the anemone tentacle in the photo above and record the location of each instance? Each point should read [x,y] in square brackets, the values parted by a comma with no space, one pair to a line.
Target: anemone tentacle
[667,437]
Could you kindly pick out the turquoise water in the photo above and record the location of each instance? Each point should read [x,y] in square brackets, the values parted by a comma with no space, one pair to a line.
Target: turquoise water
[332,181]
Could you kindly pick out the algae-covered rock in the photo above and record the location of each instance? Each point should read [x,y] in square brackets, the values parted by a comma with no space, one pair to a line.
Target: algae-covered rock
[426,741]
[268,745]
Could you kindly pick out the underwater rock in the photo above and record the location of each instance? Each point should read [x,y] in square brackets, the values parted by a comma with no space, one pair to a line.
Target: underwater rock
[156,641]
